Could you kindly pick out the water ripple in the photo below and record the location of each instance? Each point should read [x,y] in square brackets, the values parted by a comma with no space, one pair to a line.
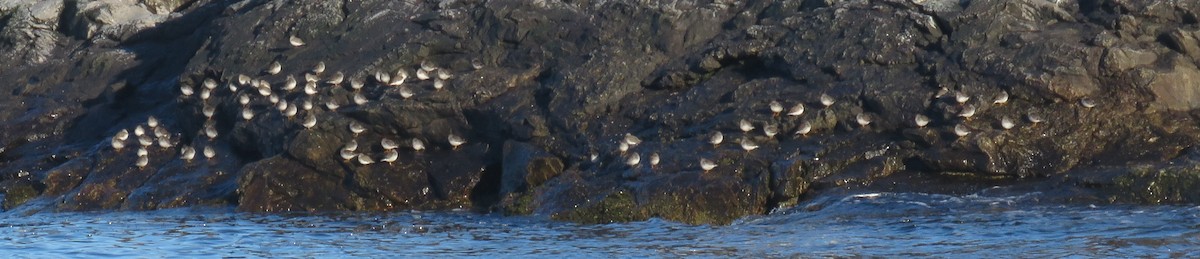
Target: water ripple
[876,224]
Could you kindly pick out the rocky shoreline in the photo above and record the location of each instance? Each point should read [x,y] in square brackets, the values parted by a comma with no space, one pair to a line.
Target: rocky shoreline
[1087,101]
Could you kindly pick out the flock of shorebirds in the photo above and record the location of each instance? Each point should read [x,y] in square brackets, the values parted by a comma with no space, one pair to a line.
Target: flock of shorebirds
[291,98]
[283,98]
[960,105]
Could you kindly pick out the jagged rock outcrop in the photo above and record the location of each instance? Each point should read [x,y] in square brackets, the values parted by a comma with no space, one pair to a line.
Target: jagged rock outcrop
[527,105]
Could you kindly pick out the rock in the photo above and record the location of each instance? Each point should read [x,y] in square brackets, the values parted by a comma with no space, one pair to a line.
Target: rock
[163,7]
[278,185]
[526,167]
[196,184]
[29,34]
[115,20]
[787,182]
[46,12]
[1174,88]
[543,93]
[17,193]
[67,176]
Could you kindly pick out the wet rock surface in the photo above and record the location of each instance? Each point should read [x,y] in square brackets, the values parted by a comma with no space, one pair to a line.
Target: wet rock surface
[529,107]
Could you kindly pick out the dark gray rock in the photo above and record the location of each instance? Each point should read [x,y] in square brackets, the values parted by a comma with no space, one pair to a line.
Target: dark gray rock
[526,167]
[544,92]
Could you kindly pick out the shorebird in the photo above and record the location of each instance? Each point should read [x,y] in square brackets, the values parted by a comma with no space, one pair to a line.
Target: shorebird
[357,83]
[143,161]
[388,144]
[1007,123]
[209,111]
[244,99]
[405,92]
[796,110]
[274,68]
[771,130]
[921,120]
[438,84]
[390,156]
[654,159]
[356,128]
[745,125]
[152,122]
[161,133]
[1002,98]
[632,140]
[827,100]
[210,130]
[290,111]
[961,130]
[382,77]
[243,79]
[264,91]
[331,105]
[707,165]
[282,105]
[715,138]
[311,77]
[139,131]
[967,111]
[748,144]
[422,74]
[622,147]
[360,99]
[633,160]
[352,145]
[943,91]
[1033,117]
[117,143]
[476,64]
[296,41]
[399,78]
[364,159]
[456,141]
[142,152]
[209,152]
[337,79]
[775,107]
[309,121]
[274,99]
[233,88]
[186,90]
[347,154]
[164,142]
[804,128]
[289,84]
[1087,102]
[417,144]
[187,153]
[427,66]
[863,119]
[205,93]
[310,88]
[145,140]
[306,105]
[318,69]
[121,135]
[961,97]
[443,74]
[210,84]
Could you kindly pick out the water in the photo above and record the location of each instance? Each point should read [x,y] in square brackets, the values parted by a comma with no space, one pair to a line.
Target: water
[878,224]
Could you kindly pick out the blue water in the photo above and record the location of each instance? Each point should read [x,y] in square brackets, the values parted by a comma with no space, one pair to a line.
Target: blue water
[876,224]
